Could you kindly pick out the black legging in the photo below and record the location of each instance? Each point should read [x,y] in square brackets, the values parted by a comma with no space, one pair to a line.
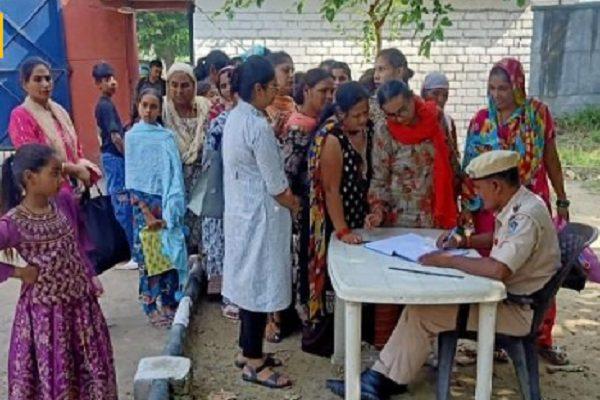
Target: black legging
[252,332]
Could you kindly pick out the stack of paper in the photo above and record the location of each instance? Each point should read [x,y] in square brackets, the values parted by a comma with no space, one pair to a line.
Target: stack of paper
[409,246]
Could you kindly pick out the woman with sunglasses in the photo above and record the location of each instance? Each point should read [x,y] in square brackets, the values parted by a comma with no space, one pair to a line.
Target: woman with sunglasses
[412,184]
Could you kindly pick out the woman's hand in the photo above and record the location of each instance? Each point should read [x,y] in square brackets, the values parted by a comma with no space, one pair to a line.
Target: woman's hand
[156,225]
[351,238]
[95,172]
[28,274]
[79,172]
[97,286]
[374,219]
[563,212]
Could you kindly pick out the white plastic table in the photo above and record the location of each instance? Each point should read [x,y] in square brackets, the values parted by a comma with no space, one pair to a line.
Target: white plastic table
[360,275]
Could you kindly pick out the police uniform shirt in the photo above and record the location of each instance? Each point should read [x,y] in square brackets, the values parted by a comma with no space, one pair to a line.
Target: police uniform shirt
[525,240]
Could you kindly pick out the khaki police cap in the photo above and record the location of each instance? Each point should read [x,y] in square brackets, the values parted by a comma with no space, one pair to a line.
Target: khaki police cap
[492,162]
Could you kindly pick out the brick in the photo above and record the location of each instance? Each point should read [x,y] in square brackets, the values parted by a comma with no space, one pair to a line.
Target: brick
[176,370]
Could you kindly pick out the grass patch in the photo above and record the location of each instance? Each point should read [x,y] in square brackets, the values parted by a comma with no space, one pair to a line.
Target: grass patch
[579,138]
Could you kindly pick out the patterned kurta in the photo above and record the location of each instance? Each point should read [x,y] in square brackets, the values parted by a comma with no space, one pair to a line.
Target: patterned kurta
[213,237]
[151,287]
[60,346]
[295,143]
[191,173]
[402,180]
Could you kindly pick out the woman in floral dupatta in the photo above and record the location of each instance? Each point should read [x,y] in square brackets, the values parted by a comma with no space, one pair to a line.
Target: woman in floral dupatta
[514,122]
[413,179]
[313,93]
[339,164]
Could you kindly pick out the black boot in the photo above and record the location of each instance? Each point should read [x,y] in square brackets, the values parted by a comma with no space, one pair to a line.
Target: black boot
[373,386]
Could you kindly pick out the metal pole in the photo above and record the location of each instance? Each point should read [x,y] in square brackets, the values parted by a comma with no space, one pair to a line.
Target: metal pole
[191,9]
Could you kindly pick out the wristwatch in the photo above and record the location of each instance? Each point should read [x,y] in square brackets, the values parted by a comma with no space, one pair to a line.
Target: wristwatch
[563,203]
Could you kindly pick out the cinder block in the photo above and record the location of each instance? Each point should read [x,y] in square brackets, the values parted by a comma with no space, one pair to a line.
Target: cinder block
[177,371]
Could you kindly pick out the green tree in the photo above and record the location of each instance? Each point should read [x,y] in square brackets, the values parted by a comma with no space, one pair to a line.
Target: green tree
[377,15]
[163,34]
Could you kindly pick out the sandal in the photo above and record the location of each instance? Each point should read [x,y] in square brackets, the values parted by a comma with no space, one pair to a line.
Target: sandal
[231,312]
[159,321]
[273,330]
[555,355]
[273,381]
[269,361]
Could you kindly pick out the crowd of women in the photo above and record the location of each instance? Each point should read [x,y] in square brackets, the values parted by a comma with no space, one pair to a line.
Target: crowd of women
[248,168]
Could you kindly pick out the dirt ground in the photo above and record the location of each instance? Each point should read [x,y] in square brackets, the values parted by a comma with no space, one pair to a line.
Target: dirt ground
[212,342]
[132,337]
[212,345]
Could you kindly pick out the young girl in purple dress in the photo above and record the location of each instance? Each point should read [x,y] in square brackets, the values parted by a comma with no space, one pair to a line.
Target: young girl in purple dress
[60,346]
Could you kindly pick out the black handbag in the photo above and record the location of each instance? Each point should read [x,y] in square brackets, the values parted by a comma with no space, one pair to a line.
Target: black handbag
[105,232]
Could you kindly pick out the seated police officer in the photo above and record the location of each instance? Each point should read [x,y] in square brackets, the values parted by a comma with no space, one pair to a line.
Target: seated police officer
[525,254]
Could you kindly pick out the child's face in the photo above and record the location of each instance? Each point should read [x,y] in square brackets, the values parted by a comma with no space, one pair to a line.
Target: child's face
[149,108]
[213,95]
[46,181]
[107,85]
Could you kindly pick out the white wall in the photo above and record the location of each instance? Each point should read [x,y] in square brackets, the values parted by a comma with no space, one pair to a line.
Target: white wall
[482,34]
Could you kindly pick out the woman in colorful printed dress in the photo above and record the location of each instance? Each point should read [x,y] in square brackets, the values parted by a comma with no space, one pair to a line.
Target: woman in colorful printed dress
[186,115]
[60,345]
[313,93]
[412,185]
[514,122]
[339,172]
[41,120]
[213,240]
[154,178]
[283,105]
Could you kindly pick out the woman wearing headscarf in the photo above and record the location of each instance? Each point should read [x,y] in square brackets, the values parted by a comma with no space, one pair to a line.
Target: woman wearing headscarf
[514,122]
[436,88]
[186,115]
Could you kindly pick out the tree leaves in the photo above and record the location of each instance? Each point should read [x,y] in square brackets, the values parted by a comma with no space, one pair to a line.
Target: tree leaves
[163,34]
[377,14]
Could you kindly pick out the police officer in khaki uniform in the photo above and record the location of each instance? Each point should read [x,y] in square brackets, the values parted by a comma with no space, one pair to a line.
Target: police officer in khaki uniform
[525,254]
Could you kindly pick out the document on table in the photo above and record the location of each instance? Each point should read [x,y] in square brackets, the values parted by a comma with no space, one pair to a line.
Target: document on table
[409,246]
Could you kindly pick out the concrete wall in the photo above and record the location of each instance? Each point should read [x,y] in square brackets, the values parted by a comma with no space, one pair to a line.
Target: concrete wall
[566,56]
[95,32]
[483,32]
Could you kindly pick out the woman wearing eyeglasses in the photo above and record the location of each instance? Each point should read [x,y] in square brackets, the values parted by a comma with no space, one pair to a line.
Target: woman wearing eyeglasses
[412,183]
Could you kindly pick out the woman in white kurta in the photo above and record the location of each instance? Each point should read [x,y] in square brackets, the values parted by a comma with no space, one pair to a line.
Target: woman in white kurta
[257,221]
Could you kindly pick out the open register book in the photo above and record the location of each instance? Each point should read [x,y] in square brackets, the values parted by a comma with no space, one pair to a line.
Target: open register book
[409,246]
